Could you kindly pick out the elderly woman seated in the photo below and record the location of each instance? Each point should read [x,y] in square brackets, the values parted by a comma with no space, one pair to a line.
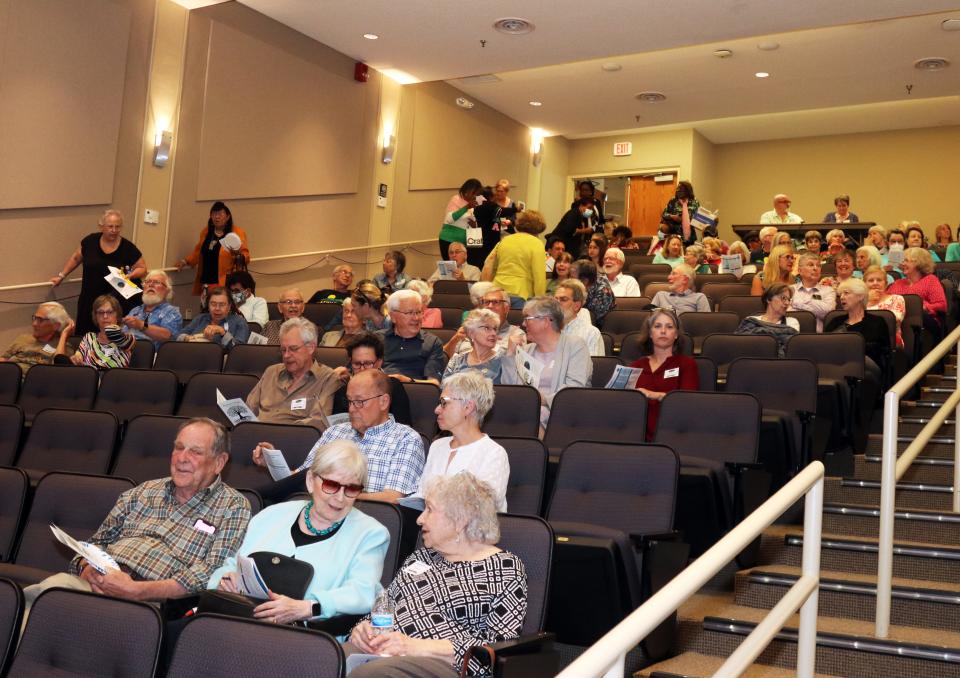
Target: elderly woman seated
[352,326]
[222,324]
[550,361]
[345,547]
[853,298]
[918,278]
[456,591]
[107,348]
[466,399]
[664,368]
[571,295]
[773,321]
[482,327]
[40,346]
[432,318]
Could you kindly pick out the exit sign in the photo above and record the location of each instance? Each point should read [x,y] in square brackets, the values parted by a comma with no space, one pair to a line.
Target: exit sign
[623,148]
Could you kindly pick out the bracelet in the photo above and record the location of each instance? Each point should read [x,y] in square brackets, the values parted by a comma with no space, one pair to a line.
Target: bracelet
[61,276]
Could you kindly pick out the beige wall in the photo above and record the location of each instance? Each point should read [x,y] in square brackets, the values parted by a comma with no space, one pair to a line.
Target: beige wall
[703,170]
[554,171]
[651,151]
[890,176]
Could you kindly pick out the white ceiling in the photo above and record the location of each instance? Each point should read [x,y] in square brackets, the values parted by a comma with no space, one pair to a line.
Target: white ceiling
[841,66]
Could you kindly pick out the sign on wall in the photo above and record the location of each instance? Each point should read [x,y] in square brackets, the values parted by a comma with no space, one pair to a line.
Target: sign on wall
[622,148]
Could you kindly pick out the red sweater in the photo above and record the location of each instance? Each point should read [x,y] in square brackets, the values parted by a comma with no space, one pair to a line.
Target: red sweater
[928,288]
[683,376]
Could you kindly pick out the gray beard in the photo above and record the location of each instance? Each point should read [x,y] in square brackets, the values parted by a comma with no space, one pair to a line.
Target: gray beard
[151,299]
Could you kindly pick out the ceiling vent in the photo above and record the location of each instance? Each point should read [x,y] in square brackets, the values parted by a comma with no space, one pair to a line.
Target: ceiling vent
[931,64]
[651,97]
[479,79]
[513,26]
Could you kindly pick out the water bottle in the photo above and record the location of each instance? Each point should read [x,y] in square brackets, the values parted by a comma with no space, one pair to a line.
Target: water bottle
[382,614]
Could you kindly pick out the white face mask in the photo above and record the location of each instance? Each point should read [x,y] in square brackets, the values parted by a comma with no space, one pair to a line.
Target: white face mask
[587,213]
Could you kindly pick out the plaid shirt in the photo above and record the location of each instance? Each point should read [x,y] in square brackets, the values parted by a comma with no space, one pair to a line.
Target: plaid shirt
[394,454]
[153,535]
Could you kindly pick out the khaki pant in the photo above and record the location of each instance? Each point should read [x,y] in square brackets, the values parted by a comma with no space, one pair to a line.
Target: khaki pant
[57,581]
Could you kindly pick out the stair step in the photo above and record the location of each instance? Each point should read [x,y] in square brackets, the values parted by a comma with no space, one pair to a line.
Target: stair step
[851,596]
[926,470]
[935,395]
[939,447]
[909,427]
[909,495]
[695,665]
[911,560]
[941,380]
[844,646]
[928,527]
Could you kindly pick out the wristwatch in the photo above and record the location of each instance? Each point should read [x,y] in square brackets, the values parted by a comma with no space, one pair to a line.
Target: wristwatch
[316,610]
[146,323]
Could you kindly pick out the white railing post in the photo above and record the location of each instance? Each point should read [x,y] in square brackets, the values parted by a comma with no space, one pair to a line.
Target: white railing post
[888,478]
[956,444]
[810,567]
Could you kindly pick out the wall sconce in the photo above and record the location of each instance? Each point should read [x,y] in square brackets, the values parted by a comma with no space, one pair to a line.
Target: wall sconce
[389,145]
[161,148]
[536,146]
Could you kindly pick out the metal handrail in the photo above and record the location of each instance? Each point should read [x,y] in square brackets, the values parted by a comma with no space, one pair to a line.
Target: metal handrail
[607,656]
[892,469]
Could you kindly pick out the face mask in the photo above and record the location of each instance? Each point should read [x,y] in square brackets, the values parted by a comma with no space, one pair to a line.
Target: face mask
[238,298]
[587,214]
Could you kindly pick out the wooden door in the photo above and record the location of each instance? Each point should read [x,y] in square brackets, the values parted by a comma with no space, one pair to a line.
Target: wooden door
[645,202]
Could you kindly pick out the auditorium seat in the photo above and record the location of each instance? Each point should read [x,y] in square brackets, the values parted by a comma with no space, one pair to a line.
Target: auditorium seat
[10,378]
[11,615]
[143,354]
[321,314]
[716,292]
[200,395]
[595,414]
[707,373]
[714,279]
[632,303]
[60,386]
[76,633]
[14,486]
[423,401]
[699,324]
[450,317]
[805,319]
[187,358]
[603,368]
[618,324]
[444,300]
[460,287]
[515,412]
[294,440]
[69,440]
[631,347]
[128,393]
[11,430]
[77,503]
[742,305]
[650,289]
[146,448]
[528,472]
[723,349]
[251,359]
[331,356]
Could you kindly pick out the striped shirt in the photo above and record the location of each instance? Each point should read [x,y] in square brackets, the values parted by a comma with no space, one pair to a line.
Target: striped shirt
[157,537]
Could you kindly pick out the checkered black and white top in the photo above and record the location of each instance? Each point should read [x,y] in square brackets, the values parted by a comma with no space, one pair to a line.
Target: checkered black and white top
[468,603]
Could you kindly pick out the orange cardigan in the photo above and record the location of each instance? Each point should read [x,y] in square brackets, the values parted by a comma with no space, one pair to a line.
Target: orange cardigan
[225,261]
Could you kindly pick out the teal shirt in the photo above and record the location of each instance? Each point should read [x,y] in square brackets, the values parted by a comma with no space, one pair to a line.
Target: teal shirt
[346,567]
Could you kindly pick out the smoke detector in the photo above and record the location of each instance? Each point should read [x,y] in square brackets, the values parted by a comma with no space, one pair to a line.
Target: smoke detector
[464,102]
[723,53]
[513,26]
[650,97]
[931,64]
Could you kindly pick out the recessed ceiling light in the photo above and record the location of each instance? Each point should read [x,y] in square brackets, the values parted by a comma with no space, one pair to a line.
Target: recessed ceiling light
[371,36]
[762,74]
[950,25]
[768,45]
[650,97]
[931,64]
[536,103]
[463,102]
[611,67]
[513,26]
[723,53]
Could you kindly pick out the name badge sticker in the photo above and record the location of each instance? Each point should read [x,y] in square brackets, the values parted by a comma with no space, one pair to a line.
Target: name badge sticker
[48,349]
[201,526]
[298,404]
[417,567]
[675,372]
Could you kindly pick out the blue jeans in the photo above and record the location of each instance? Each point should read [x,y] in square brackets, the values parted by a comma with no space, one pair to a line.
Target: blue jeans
[516,303]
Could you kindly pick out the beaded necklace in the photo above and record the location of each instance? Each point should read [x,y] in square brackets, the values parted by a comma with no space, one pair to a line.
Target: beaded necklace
[320,533]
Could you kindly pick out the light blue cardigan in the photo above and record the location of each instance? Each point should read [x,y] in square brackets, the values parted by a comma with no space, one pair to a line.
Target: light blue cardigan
[346,567]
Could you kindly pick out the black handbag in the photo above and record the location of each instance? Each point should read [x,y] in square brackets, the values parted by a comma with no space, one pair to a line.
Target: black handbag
[282,574]
[532,656]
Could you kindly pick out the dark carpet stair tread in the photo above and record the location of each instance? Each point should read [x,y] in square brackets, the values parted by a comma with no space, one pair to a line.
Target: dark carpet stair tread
[691,664]
[947,588]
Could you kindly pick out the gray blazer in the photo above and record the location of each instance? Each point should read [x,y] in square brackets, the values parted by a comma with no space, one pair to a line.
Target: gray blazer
[574,367]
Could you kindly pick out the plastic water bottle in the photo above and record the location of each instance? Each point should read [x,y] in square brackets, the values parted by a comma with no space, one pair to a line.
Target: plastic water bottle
[382,614]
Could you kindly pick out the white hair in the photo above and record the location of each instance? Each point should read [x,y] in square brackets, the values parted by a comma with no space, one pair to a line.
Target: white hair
[110,213]
[472,386]
[308,331]
[56,313]
[393,301]
[160,273]
[469,503]
[421,288]
[616,252]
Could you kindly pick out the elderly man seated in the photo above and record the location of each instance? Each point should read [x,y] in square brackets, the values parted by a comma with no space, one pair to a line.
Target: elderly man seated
[342,280]
[290,305]
[298,390]
[498,301]
[410,354]
[759,255]
[623,285]
[681,297]
[365,352]
[167,535]
[156,319]
[780,214]
[458,254]
[809,294]
[40,346]
[394,452]
[571,295]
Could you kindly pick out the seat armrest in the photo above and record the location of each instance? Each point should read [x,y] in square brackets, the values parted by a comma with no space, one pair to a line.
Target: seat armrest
[805,416]
[532,656]
[642,541]
[531,640]
[178,606]
[339,625]
[736,467]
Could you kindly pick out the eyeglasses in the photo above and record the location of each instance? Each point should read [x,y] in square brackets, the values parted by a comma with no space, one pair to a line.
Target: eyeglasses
[533,317]
[444,401]
[154,283]
[411,314]
[39,319]
[787,256]
[105,313]
[290,349]
[358,404]
[291,302]
[363,365]
[218,304]
[493,302]
[329,486]
[488,328]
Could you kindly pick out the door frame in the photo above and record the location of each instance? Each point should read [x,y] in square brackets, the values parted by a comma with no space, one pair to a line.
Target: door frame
[640,172]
